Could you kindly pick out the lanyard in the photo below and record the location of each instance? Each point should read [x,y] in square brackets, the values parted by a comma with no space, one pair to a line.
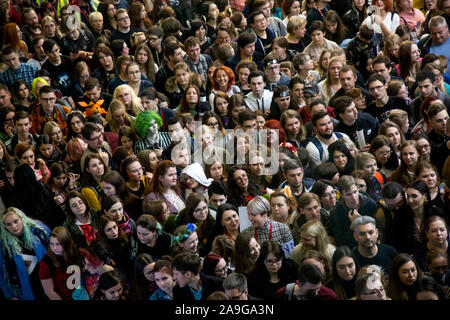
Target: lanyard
[270,233]
[320,11]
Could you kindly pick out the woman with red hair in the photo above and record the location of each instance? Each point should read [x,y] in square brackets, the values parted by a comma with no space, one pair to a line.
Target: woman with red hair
[223,81]
[12,35]
[387,21]
[272,126]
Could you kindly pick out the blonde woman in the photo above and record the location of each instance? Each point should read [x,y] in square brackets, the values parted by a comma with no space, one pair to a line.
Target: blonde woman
[296,31]
[400,118]
[313,237]
[117,117]
[126,95]
[293,127]
[331,84]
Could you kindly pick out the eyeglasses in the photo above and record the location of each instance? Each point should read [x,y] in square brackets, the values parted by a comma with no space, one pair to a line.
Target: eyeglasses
[97,137]
[200,209]
[236,297]
[272,261]
[124,18]
[361,186]
[222,271]
[384,153]
[242,178]
[213,124]
[136,171]
[153,39]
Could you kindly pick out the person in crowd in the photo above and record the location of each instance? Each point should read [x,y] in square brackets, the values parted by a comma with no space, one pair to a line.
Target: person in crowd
[408,225]
[272,271]
[404,277]
[352,205]
[264,228]
[345,268]
[368,251]
[53,268]
[191,283]
[313,236]
[21,234]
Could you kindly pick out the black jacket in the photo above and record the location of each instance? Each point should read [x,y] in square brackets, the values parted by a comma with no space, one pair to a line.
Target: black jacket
[365,122]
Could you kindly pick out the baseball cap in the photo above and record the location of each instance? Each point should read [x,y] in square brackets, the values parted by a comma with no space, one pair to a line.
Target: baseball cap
[311,88]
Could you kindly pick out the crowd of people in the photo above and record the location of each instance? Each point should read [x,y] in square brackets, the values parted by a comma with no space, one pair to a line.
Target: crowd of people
[224,150]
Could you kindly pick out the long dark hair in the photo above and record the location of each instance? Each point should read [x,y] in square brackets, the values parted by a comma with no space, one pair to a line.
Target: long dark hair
[140,283]
[380,141]
[235,195]
[396,289]
[192,202]
[219,228]
[341,146]
[338,282]
[108,280]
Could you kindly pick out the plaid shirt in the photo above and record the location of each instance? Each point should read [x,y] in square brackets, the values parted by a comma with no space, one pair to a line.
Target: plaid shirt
[201,66]
[280,233]
[26,73]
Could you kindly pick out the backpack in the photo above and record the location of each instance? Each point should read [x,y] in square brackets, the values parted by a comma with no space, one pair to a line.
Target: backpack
[318,145]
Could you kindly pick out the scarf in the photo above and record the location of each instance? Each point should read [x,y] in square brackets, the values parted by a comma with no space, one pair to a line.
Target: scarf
[19,285]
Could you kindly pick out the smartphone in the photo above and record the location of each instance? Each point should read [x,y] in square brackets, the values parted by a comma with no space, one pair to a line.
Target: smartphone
[418,24]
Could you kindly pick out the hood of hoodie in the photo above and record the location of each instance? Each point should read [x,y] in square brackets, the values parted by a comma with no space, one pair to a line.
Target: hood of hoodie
[195,171]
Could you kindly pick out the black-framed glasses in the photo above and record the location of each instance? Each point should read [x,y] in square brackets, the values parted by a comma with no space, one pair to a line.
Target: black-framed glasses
[272,261]
[237,297]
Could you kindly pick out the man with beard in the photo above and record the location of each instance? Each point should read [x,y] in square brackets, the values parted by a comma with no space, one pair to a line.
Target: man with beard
[368,251]
[325,135]
[32,27]
[295,184]
[392,203]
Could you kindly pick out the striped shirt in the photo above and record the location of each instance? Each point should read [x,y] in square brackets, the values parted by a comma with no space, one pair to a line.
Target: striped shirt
[163,142]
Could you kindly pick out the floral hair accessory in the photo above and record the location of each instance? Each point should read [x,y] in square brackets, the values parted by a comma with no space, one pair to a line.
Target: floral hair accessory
[290,147]
[190,228]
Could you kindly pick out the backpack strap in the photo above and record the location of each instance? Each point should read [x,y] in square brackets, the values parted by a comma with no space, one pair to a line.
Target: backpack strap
[61,110]
[318,145]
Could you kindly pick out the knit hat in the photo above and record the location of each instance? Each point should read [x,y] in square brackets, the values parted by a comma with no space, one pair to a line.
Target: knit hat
[196,172]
